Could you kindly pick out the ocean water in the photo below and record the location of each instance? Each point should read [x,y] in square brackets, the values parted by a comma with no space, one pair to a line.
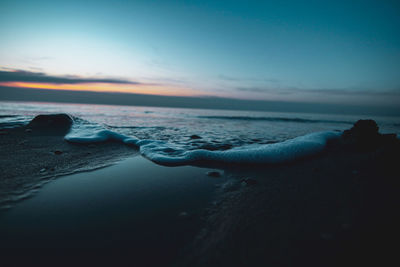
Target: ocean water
[176,136]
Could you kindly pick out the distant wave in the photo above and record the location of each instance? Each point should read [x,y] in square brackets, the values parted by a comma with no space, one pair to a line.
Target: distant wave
[136,127]
[8,116]
[248,118]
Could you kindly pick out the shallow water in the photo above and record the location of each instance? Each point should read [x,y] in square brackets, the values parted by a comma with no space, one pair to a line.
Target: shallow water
[218,129]
[174,136]
[135,205]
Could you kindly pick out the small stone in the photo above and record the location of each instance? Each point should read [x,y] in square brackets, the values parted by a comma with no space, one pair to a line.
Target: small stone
[214,174]
[58,152]
[22,142]
[194,136]
[28,130]
[43,170]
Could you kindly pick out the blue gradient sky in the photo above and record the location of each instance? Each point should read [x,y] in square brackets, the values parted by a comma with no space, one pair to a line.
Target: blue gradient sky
[316,51]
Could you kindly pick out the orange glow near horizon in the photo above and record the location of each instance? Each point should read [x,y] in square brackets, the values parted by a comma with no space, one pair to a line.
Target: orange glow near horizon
[107,87]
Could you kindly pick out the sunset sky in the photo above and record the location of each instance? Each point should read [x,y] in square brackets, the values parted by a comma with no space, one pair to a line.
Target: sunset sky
[302,51]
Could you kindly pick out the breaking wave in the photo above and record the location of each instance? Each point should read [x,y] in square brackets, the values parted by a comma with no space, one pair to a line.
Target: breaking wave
[165,153]
[276,119]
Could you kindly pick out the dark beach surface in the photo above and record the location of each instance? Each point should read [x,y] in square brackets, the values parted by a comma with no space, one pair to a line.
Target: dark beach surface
[338,208]
[36,153]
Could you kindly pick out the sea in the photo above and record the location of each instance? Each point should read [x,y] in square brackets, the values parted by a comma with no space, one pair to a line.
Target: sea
[179,136]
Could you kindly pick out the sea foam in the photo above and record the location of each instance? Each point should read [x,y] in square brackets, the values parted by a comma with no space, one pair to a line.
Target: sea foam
[172,155]
[286,151]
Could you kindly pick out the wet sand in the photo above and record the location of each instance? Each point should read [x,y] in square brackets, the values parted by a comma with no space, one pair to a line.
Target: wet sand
[336,209]
[30,158]
[134,213]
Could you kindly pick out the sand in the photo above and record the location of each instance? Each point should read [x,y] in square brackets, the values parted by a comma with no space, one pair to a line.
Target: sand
[30,158]
[133,213]
[336,209]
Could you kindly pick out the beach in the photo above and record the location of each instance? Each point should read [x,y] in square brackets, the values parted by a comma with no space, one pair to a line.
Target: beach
[199,133]
[334,208]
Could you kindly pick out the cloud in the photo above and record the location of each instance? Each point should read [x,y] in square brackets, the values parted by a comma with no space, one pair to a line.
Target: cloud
[228,78]
[322,91]
[40,77]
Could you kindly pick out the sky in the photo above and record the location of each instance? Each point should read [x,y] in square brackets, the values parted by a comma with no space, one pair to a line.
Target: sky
[344,52]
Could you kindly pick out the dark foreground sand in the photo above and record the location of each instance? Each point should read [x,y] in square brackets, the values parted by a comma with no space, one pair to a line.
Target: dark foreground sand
[339,208]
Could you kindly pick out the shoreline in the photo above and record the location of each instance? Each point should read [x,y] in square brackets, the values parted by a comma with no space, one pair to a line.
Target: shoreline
[330,209]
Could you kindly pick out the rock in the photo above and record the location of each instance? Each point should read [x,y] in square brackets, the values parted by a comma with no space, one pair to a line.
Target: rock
[43,170]
[194,136]
[364,135]
[51,124]
[58,152]
[389,139]
[214,174]
[28,130]
[362,129]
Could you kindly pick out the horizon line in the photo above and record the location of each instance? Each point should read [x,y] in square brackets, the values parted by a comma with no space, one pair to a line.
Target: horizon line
[198,102]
